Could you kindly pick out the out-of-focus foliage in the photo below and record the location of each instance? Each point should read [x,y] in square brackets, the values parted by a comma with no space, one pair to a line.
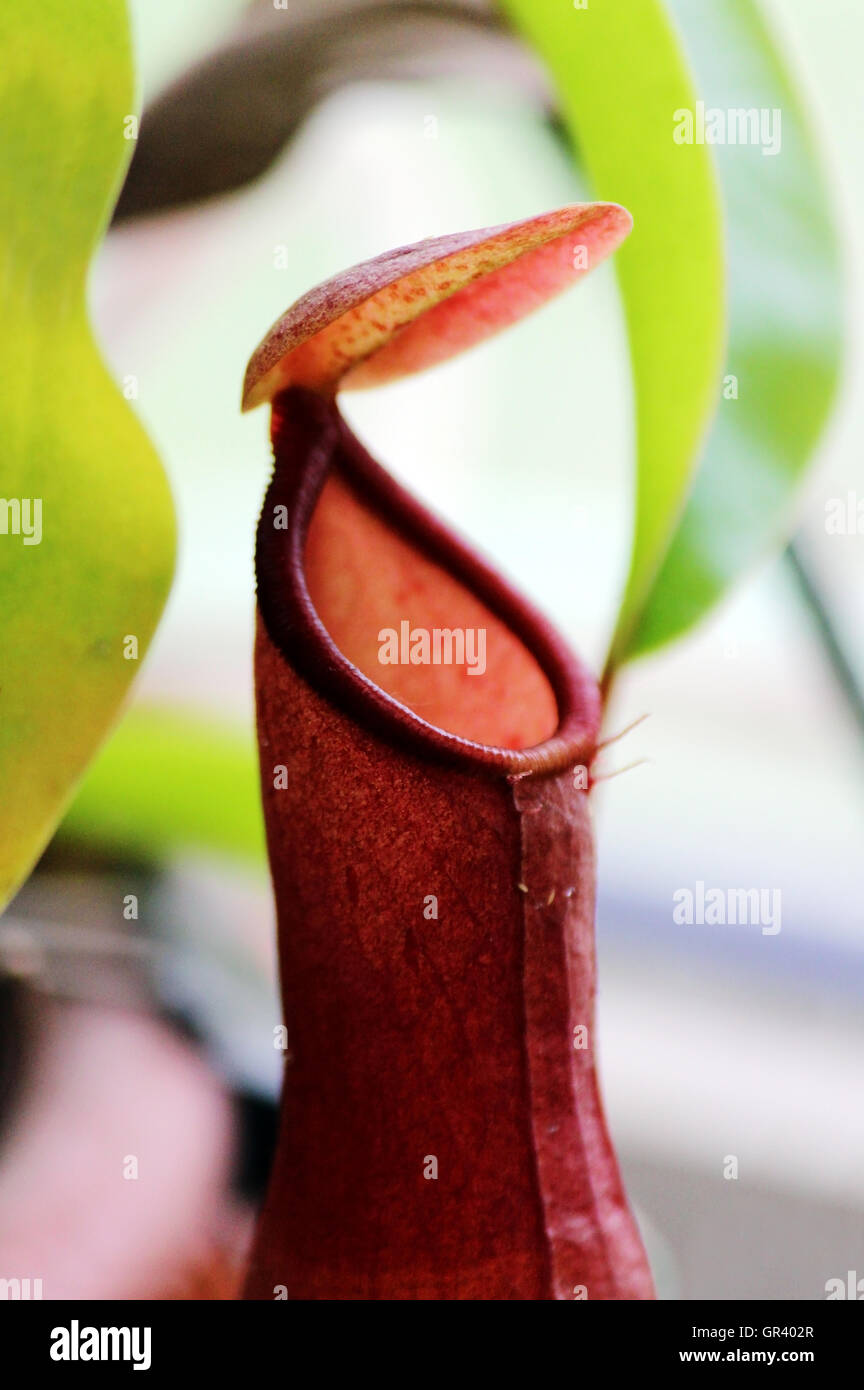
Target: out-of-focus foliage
[785,324]
[783,277]
[94,572]
[167,781]
[620,74]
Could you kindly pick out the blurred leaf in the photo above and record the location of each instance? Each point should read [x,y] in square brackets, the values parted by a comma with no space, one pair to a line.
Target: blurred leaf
[785,322]
[167,782]
[620,77]
[225,120]
[102,568]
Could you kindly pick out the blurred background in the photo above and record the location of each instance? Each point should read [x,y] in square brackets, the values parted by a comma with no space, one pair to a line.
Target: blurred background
[278,147]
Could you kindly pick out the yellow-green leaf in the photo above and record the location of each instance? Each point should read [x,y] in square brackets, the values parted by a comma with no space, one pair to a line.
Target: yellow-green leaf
[786,314]
[80,594]
[168,782]
[620,77]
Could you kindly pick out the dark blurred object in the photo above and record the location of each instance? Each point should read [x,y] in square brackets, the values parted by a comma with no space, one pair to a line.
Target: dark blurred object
[109,1089]
[258,1120]
[13,1046]
[94,1070]
[225,121]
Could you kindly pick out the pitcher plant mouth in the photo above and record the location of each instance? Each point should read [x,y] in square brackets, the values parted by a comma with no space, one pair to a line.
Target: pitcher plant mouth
[311,443]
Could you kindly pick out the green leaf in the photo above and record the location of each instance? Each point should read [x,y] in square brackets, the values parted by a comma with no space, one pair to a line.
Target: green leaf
[785,326]
[620,76]
[101,568]
[168,782]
